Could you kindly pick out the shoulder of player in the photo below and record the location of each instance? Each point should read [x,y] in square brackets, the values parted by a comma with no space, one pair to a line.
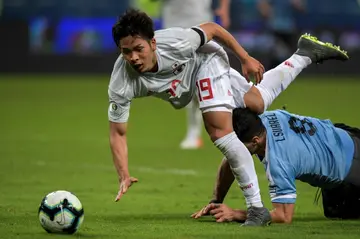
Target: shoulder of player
[171,38]
[172,32]
[122,75]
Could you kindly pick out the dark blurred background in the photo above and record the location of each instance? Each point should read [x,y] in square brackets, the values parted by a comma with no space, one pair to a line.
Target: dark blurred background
[75,35]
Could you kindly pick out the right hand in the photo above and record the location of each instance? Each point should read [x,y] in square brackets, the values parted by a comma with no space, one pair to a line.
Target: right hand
[252,67]
[205,211]
[124,186]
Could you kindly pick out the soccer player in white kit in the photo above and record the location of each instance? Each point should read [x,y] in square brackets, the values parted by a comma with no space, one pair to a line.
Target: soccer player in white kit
[176,63]
[188,13]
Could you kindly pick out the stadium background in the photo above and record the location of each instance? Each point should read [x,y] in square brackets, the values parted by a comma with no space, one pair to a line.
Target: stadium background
[56,58]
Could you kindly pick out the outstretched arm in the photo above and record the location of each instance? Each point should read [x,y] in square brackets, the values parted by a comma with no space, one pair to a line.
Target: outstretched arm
[118,114]
[282,213]
[118,145]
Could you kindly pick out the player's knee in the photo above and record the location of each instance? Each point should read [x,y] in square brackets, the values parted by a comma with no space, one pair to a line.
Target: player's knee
[217,134]
[218,124]
[258,107]
[286,219]
[254,101]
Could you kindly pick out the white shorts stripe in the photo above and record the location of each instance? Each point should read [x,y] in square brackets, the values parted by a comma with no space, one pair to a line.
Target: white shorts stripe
[293,195]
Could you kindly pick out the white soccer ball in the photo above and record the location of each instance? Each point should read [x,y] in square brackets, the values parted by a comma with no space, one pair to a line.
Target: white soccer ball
[61,212]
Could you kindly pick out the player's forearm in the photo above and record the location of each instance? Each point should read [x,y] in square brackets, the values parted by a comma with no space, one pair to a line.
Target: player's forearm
[119,151]
[215,31]
[224,180]
[279,216]
[239,215]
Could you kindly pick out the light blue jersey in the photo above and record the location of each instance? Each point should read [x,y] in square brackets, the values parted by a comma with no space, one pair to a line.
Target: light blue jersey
[304,148]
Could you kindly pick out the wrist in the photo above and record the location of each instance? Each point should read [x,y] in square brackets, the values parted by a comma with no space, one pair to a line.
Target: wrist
[123,175]
[239,215]
[244,57]
[217,201]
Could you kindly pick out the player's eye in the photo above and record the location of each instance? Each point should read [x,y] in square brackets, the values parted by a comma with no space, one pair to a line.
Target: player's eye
[139,49]
[126,51]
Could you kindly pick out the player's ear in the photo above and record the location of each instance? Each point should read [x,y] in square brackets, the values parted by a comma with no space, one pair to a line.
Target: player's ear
[255,140]
[153,44]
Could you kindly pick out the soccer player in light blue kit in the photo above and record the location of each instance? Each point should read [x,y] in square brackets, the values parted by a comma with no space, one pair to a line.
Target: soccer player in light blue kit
[291,147]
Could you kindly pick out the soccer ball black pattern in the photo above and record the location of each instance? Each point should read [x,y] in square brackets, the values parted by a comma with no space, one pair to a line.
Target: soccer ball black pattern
[61,212]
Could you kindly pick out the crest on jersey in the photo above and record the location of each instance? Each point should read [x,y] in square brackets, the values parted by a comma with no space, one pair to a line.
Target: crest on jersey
[177,67]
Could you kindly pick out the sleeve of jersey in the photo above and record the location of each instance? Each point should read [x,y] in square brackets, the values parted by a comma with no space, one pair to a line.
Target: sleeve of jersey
[196,36]
[282,185]
[119,108]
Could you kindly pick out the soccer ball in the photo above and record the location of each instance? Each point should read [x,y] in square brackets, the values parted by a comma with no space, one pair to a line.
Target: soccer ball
[61,212]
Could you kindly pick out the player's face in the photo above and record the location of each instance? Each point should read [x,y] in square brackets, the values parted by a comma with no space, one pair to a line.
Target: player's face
[257,145]
[140,53]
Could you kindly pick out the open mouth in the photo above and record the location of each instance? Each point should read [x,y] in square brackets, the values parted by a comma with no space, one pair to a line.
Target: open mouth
[137,66]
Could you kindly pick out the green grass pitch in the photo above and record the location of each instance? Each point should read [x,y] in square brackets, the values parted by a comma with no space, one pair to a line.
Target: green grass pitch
[54,135]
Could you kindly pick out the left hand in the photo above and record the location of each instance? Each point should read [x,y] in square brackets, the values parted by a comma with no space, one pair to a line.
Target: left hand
[252,67]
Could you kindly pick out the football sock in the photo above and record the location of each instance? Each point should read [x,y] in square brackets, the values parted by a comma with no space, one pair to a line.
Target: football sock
[278,79]
[242,166]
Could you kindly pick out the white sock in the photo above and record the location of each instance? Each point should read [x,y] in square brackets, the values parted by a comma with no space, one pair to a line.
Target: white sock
[242,166]
[194,121]
[278,79]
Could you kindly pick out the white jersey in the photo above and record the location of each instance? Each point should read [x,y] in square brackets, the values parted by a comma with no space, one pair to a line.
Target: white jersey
[184,68]
[186,13]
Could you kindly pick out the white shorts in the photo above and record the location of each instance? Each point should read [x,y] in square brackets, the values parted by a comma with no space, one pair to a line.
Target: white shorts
[220,86]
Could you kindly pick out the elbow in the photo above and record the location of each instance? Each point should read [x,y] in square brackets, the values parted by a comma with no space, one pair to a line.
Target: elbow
[288,221]
[211,29]
[284,219]
[258,107]
[280,217]
[212,25]
[254,102]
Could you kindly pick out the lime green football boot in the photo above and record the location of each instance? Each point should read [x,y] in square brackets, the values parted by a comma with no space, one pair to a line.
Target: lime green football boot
[319,51]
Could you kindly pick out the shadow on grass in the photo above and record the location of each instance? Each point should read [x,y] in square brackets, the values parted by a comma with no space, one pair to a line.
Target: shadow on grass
[171,218]
[147,217]
[55,235]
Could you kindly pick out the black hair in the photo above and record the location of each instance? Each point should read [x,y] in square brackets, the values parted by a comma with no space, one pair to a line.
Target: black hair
[133,23]
[247,124]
